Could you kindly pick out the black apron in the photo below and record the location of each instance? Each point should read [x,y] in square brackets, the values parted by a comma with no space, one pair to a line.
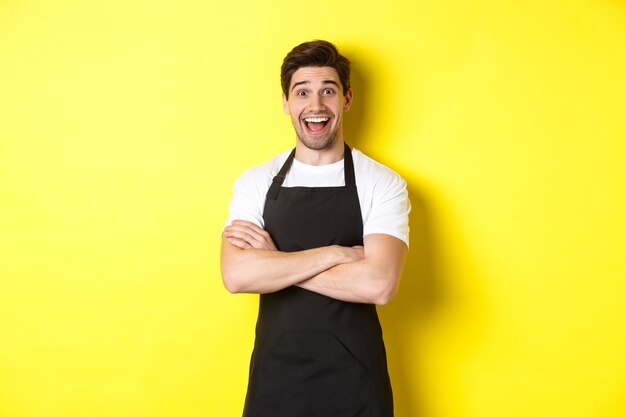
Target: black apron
[315,356]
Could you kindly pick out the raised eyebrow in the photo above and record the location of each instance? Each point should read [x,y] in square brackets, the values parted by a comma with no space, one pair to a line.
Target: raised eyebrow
[298,83]
[333,82]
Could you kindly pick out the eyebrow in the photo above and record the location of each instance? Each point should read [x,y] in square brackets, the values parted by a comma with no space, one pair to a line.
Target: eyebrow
[333,82]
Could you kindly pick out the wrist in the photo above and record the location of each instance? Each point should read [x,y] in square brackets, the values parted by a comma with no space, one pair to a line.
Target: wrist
[341,255]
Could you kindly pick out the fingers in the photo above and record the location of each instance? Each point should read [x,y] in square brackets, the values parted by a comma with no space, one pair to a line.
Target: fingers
[241,239]
[248,235]
[241,244]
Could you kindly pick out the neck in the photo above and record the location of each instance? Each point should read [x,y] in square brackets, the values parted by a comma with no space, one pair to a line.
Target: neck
[325,156]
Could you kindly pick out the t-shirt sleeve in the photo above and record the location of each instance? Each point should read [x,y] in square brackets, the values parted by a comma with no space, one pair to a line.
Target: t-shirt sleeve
[249,190]
[390,207]
[247,200]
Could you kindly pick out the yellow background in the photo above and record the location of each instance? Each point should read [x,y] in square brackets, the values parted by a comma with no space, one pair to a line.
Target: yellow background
[123,125]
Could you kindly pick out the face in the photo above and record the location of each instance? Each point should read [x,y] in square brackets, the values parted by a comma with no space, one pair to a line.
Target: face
[316,105]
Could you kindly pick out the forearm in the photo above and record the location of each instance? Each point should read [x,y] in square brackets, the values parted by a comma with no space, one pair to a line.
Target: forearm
[264,271]
[353,282]
[373,280]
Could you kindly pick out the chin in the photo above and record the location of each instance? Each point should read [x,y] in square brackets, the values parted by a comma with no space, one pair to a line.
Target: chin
[318,144]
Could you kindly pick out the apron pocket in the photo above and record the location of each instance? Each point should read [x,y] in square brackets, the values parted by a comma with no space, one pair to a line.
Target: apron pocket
[312,374]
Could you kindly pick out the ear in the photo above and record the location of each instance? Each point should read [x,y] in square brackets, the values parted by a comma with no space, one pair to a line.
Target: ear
[285,104]
[347,100]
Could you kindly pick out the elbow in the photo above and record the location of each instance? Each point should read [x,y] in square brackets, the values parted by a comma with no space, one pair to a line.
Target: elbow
[231,281]
[385,291]
[384,298]
[232,286]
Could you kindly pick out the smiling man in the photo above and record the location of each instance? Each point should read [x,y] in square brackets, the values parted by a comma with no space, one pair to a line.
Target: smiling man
[321,233]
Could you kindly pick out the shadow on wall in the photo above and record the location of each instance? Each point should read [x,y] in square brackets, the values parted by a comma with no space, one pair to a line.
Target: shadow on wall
[421,290]
[356,120]
[405,318]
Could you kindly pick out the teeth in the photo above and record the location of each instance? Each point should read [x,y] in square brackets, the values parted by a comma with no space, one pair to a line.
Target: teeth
[316,119]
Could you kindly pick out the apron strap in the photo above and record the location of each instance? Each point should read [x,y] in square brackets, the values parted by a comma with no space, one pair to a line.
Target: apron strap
[277,181]
[348,167]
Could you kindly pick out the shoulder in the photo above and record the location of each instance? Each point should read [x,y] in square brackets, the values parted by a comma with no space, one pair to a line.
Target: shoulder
[371,172]
[383,196]
[250,189]
[262,174]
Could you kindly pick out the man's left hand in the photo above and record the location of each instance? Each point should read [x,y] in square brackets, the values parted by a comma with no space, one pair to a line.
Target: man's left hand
[247,235]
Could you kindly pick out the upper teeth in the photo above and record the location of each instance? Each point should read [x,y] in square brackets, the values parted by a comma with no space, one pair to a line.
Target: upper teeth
[316,119]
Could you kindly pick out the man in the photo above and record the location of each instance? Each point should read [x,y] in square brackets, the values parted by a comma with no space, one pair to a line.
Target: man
[321,233]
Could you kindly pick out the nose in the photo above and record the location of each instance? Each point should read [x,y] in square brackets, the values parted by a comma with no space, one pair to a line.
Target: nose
[316,103]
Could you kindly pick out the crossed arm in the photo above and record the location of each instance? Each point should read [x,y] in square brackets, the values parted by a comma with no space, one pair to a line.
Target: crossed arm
[366,274]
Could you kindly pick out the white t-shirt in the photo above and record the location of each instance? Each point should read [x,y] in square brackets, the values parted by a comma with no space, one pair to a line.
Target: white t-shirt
[383,196]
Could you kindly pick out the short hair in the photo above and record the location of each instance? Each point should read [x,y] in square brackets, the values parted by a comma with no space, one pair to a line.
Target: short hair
[316,53]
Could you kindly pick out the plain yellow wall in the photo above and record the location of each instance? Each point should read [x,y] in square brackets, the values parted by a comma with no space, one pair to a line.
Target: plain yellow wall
[124,124]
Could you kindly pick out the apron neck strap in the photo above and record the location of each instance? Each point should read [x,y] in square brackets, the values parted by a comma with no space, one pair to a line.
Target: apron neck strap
[348,167]
[277,181]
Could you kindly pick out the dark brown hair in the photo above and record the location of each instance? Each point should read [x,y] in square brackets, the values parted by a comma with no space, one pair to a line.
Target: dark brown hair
[316,53]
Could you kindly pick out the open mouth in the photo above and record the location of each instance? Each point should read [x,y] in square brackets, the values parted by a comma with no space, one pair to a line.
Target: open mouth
[315,125]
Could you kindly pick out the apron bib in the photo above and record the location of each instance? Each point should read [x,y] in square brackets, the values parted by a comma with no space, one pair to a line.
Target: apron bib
[315,356]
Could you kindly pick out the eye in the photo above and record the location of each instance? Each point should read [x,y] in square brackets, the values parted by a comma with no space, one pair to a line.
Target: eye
[301,93]
[328,91]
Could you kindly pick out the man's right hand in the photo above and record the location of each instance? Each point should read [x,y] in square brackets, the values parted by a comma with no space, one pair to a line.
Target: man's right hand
[349,254]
